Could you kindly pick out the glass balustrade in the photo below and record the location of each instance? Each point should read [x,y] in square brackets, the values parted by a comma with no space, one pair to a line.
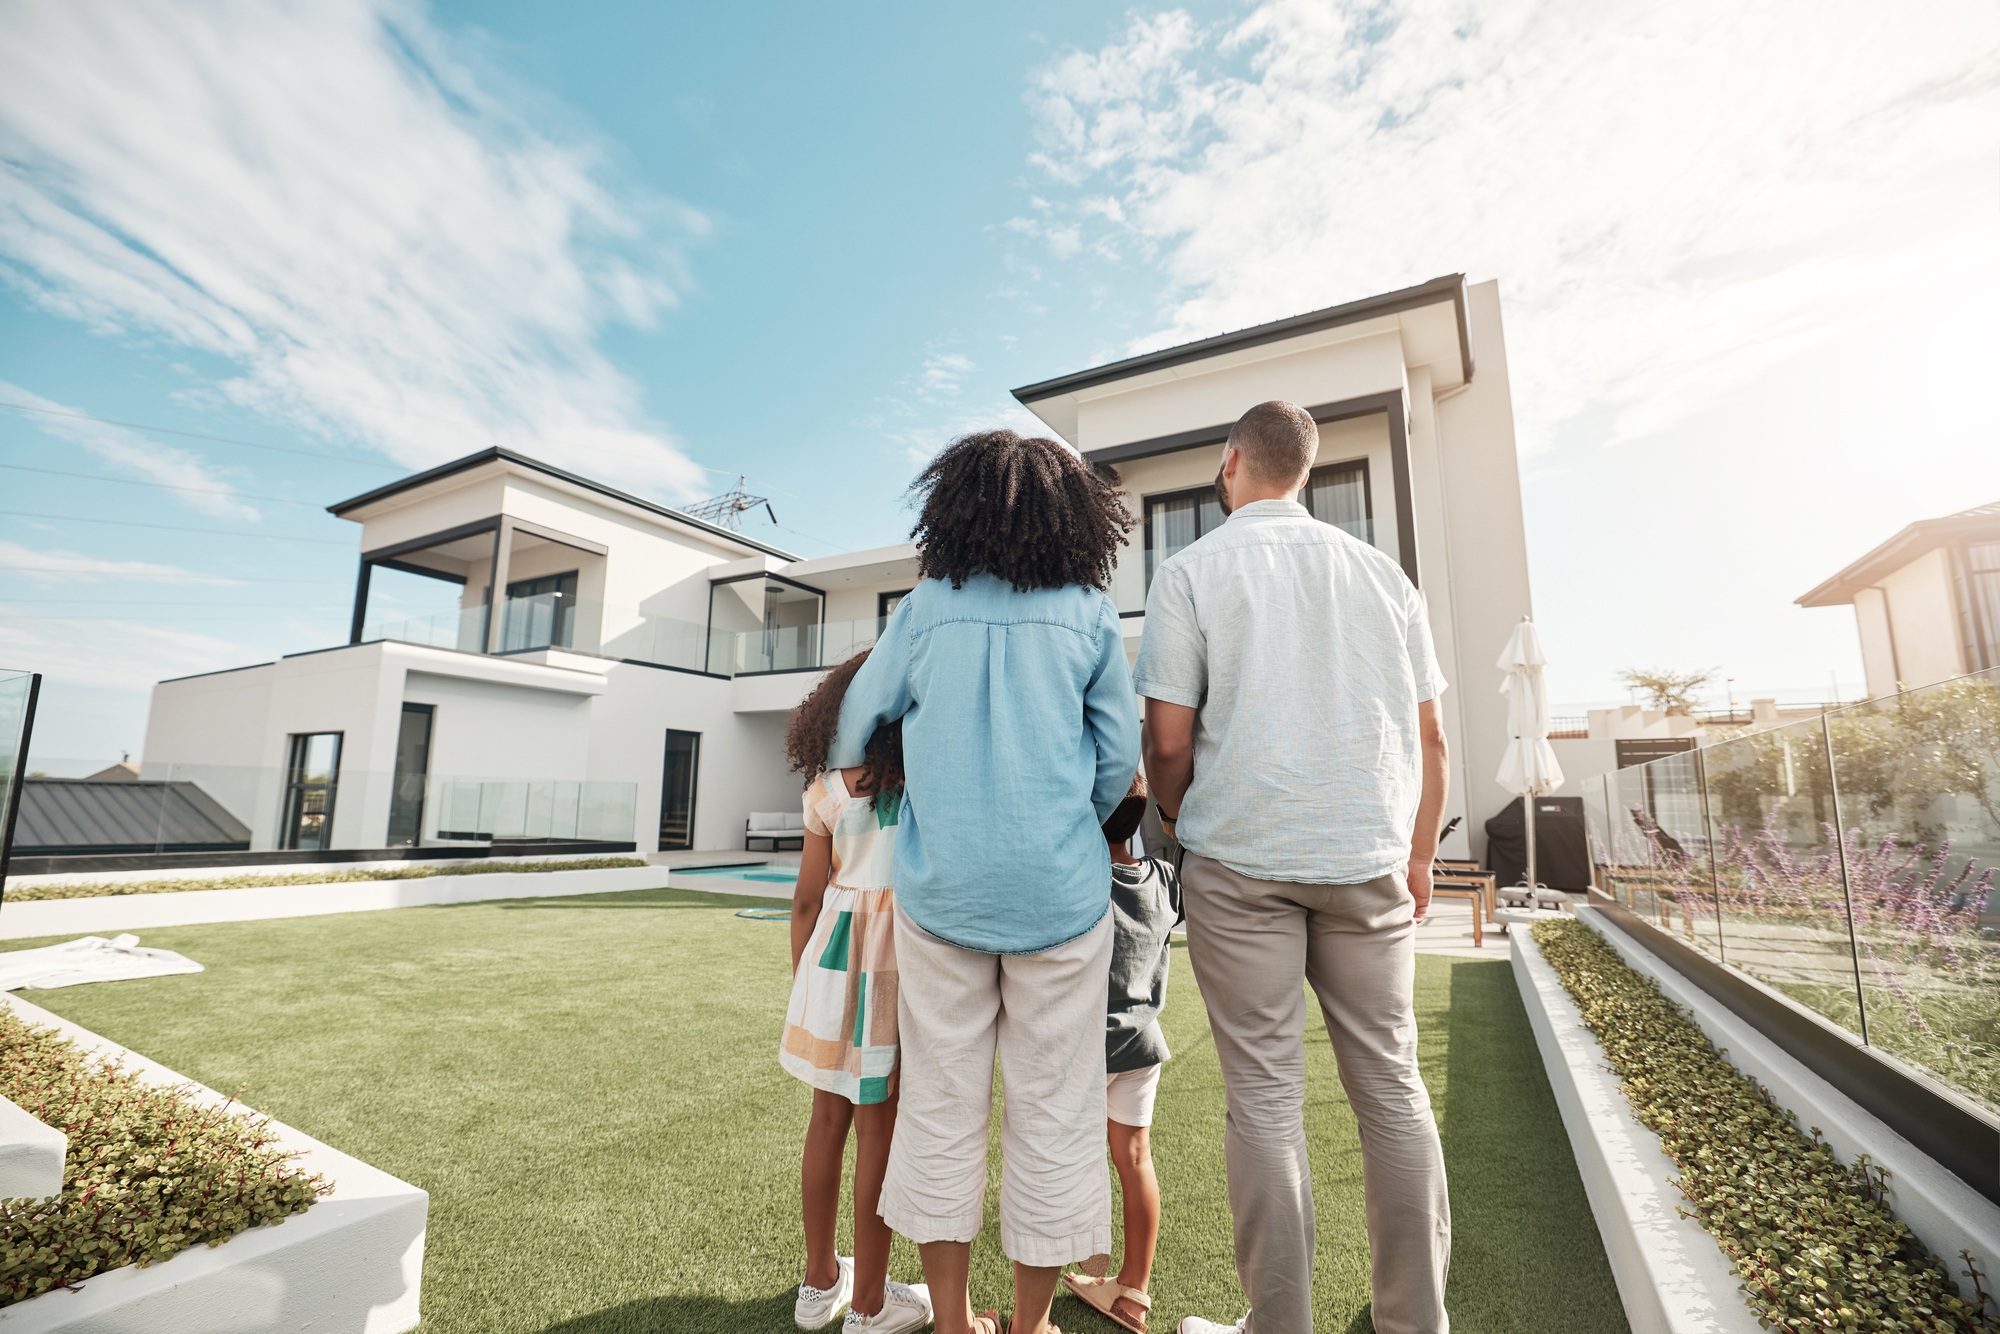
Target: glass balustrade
[1847,862]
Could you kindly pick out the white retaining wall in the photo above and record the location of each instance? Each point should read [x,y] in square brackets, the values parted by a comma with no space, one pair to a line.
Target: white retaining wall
[1672,1277]
[351,1264]
[138,912]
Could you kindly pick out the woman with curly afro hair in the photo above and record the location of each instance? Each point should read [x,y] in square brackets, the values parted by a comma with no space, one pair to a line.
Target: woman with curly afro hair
[1020,735]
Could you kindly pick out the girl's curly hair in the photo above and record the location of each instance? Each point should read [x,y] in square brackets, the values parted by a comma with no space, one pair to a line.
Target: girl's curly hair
[1027,511]
[809,735]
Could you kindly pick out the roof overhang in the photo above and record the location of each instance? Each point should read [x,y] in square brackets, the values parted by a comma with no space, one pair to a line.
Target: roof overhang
[1917,540]
[1454,358]
[501,461]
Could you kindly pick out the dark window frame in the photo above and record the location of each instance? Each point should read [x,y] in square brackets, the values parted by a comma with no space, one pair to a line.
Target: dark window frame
[708,661]
[562,634]
[882,608]
[295,789]
[398,776]
[1202,493]
[1367,489]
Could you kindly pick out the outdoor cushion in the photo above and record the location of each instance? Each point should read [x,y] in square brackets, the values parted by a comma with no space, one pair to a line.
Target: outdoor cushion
[776,822]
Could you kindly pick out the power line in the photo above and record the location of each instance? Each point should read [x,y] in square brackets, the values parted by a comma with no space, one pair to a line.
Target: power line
[193,435]
[158,486]
[173,528]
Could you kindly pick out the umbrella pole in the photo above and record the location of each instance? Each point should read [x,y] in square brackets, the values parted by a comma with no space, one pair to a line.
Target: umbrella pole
[1528,806]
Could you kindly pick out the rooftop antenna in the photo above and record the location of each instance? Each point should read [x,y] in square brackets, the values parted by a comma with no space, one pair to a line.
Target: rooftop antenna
[726,510]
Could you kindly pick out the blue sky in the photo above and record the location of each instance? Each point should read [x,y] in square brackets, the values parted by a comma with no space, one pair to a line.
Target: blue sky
[1748,262]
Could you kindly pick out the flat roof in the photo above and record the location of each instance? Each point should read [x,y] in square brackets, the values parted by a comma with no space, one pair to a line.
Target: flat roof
[1450,287]
[1917,539]
[500,454]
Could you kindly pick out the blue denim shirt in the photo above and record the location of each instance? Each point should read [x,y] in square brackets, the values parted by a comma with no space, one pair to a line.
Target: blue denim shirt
[1020,735]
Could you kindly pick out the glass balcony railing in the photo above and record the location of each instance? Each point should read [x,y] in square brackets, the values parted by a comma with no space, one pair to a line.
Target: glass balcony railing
[576,625]
[1847,862]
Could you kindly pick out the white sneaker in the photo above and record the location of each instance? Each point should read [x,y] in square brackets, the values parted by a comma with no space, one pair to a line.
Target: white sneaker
[905,1306]
[817,1308]
[1194,1324]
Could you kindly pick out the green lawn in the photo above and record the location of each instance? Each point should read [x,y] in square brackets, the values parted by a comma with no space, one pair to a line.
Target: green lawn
[588,1088]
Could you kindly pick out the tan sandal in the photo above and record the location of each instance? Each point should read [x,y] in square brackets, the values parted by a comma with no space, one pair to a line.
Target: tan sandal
[989,1323]
[1103,1293]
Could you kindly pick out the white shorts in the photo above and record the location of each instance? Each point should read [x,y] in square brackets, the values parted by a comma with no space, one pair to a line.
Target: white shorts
[1129,1094]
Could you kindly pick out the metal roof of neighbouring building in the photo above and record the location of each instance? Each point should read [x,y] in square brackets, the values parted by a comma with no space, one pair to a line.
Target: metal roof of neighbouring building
[76,815]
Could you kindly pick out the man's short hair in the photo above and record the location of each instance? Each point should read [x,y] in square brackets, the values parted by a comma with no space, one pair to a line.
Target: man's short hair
[1277,440]
[1125,817]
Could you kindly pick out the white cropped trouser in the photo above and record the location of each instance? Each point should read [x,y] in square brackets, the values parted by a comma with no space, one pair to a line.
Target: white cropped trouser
[1043,1016]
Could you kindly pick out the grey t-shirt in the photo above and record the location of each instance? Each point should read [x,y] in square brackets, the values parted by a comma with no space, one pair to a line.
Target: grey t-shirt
[1145,907]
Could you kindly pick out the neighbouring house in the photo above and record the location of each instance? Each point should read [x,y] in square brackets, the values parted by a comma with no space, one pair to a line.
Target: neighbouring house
[612,670]
[1926,602]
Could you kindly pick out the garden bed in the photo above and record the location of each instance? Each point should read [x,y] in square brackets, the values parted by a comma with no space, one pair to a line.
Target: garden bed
[149,1173]
[1812,1242]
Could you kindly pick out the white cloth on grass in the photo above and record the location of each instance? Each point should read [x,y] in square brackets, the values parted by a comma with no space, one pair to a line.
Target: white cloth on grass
[91,959]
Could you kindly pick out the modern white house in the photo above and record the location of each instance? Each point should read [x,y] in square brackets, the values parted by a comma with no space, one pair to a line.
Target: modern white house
[1926,602]
[615,670]
[1416,455]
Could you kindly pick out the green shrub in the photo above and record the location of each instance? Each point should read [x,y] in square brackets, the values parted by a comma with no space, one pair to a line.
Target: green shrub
[150,1172]
[91,889]
[1813,1241]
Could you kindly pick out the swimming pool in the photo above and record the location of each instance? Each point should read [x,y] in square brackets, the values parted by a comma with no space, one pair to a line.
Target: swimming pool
[770,875]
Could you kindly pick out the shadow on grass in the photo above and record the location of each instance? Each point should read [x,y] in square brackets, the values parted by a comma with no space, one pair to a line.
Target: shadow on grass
[691,1314]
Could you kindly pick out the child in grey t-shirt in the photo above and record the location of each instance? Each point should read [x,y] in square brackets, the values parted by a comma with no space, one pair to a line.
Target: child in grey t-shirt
[1145,908]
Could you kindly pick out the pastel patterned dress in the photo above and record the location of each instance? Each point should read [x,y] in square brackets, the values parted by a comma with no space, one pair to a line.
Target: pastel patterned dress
[840,1028]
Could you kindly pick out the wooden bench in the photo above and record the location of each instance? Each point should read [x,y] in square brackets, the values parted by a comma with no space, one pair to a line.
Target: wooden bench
[1460,875]
[1473,894]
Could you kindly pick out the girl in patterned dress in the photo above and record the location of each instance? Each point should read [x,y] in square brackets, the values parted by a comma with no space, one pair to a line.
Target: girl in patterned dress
[840,1028]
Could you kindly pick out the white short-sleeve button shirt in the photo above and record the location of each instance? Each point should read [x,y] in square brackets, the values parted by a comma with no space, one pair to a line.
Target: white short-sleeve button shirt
[1305,652]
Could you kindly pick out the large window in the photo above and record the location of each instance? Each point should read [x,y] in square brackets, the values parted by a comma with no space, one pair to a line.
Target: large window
[1979,604]
[763,623]
[677,786]
[541,613]
[1336,493]
[311,776]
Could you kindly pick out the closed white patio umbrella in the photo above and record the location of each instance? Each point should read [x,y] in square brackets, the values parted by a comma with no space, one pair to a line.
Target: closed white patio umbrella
[1529,766]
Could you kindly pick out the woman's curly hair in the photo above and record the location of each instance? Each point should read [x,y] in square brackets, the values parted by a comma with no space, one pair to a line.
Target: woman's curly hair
[1027,511]
[809,735]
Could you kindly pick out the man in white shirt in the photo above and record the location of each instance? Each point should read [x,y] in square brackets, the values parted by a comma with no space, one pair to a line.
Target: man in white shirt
[1294,747]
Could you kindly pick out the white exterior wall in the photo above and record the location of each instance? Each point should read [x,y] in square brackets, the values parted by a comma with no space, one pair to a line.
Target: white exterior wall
[1925,616]
[1878,657]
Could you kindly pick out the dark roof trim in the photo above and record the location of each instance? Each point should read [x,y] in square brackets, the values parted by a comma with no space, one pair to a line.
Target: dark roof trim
[1913,541]
[1364,406]
[498,454]
[1450,287]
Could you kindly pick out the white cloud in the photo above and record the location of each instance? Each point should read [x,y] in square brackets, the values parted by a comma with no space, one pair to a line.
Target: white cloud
[127,656]
[196,484]
[329,198]
[944,373]
[43,565]
[1676,198]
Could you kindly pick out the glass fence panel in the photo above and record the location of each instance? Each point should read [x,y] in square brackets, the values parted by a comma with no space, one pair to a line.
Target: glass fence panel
[1666,872]
[1596,824]
[1781,892]
[16,690]
[1919,789]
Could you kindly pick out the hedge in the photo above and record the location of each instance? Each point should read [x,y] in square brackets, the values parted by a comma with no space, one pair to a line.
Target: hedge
[92,889]
[150,1172]
[1813,1241]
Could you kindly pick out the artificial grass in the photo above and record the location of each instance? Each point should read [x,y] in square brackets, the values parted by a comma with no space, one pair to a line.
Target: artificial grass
[588,1087]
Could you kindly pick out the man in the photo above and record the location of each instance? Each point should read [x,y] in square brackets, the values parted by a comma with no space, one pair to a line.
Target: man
[1294,749]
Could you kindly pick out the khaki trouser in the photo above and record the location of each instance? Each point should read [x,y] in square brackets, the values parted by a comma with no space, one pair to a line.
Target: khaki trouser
[1251,941]
[1043,1016]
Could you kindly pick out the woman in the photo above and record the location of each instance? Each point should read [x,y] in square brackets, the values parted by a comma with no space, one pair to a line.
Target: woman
[1020,735]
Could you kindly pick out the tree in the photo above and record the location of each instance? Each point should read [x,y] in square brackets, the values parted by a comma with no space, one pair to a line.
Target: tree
[1673,692]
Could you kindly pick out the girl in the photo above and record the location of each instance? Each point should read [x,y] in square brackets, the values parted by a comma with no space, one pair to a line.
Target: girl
[840,1028]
